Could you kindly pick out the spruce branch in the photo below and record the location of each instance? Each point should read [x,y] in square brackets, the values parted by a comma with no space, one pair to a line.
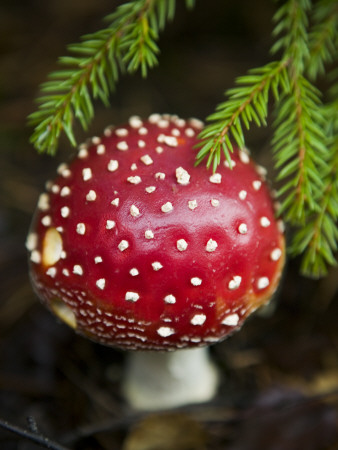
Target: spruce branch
[323,37]
[300,151]
[129,43]
[247,102]
[319,238]
[291,27]
[304,129]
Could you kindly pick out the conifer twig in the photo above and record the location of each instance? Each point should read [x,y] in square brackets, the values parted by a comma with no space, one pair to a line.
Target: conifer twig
[246,103]
[301,141]
[127,43]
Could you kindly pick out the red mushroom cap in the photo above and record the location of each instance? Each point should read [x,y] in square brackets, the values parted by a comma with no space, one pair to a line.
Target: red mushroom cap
[135,247]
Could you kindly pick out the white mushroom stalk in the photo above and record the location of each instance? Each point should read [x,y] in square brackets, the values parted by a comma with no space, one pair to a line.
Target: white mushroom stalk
[163,380]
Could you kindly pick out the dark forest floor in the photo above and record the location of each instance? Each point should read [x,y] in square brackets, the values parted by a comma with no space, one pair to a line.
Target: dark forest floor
[279,387]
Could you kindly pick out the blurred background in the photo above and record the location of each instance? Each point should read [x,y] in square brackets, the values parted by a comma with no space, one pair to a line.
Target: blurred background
[279,385]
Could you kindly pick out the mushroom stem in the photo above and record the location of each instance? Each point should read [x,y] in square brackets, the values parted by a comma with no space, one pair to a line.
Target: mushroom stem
[161,380]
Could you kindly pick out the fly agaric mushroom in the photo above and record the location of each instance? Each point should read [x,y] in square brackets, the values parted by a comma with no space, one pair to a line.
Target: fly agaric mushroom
[135,247]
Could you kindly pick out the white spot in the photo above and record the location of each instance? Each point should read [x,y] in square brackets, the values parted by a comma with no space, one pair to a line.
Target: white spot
[65,191]
[195,281]
[134,272]
[149,234]
[131,296]
[65,211]
[134,180]
[163,123]
[35,257]
[135,122]
[263,282]
[243,228]
[63,311]
[180,122]
[51,272]
[256,185]
[81,228]
[154,118]
[189,132]
[77,269]
[261,171]
[214,202]
[101,149]
[133,167]
[192,204]
[123,245]
[196,123]
[233,164]
[83,153]
[244,157]
[115,202]
[156,266]
[63,170]
[146,159]
[235,282]
[110,224]
[66,173]
[87,174]
[264,221]
[231,321]
[165,331]
[55,189]
[276,254]
[150,189]
[159,149]
[160,176]
[175,132]
[182,176]
[134,211]
[101,283]
[46,221]
[113,165]
[182,245]
[31,241]
[65,272]
[43,202]
[141,143]
[63,255]
[51,247]
[216,178]
[167,207]
[198,319]
[142,131]
[242,195]
[122,145]
[96,140]
[170,299]
[98,259]
[211,245]
[171,141]
[121,132]
[280,226]
[91,196]
[59,229]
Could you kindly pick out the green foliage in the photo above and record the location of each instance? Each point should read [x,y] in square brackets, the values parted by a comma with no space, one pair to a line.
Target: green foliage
[247,102]
[305,138]
[305,128]
[129,42]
